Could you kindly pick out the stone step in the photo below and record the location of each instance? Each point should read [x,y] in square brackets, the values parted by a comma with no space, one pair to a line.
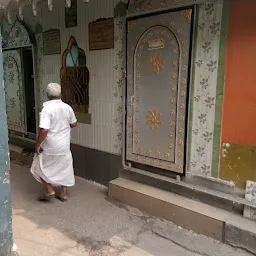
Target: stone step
[209,193]
[196,216]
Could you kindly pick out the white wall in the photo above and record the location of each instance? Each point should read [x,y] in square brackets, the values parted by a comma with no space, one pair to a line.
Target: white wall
[102,133]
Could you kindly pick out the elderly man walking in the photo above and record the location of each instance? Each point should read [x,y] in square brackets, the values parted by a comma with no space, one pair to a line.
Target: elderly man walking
[53,162]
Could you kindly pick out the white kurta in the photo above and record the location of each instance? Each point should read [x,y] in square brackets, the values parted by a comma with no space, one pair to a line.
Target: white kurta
[55,164]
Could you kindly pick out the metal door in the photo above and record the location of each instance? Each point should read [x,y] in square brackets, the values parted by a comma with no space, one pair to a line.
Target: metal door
[14,91]
[157,84]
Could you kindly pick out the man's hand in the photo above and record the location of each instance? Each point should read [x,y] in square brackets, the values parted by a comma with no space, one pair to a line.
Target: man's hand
[42,136]
[73,125]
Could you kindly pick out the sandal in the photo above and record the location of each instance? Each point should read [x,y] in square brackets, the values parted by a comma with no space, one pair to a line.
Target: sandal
[61,198]
[44,197]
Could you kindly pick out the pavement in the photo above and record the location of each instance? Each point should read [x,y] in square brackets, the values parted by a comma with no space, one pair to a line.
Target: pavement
[89,224]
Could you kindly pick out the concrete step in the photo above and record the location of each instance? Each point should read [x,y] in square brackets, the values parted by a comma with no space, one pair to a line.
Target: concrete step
[201,218]
[209,192]
[21,155]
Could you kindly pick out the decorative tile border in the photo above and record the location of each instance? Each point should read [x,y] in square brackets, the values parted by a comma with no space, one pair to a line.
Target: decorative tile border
[39,69]
[191,90]
[120,30]
[14,91]
[206,61]
[139,7]
[15,35]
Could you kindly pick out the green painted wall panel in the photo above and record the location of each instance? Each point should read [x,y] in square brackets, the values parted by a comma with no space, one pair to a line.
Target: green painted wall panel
[220,90]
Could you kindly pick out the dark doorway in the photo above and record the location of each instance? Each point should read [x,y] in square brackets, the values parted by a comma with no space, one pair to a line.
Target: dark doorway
[28,71]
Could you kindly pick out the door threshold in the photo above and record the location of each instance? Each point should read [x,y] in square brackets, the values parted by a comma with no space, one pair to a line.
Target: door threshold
[21,141]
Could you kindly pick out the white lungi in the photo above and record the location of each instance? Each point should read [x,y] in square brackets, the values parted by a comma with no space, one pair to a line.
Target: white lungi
[55,164]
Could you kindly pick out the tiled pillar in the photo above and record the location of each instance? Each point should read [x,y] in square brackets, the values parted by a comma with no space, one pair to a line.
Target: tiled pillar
[204,94]
[5,198]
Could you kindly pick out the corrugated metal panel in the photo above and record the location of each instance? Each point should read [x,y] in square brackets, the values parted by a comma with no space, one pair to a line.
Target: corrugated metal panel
[102,133]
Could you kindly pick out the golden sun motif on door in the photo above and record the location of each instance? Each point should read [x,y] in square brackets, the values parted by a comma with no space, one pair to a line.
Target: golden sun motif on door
[156,63]
[154,119]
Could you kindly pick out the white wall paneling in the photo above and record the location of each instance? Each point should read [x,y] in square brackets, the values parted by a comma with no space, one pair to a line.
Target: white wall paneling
[101,133]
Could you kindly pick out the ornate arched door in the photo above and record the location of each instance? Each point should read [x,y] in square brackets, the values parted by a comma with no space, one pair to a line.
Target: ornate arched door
[158,57]
[18,63]
[14,90]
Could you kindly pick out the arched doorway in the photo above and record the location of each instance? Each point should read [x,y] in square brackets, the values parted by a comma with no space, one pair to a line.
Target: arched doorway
[18,63]
[158,62]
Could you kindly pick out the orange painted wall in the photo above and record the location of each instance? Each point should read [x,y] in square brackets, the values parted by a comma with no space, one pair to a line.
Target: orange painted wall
[239,105]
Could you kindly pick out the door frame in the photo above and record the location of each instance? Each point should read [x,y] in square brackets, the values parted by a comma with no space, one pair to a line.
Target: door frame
[137,167]
[35,86]
[36,90]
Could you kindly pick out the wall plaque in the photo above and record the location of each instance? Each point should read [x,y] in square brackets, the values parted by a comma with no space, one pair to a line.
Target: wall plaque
[51,42]
[101,34]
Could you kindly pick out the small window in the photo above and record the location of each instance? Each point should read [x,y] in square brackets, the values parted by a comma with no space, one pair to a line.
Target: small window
[75,78]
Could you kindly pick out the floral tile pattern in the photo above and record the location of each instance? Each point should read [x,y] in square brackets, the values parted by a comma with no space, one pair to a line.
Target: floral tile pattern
[14,90]
[149,5]
[250,195]
[120,76]
[39,68]
[204,92]
[15,35]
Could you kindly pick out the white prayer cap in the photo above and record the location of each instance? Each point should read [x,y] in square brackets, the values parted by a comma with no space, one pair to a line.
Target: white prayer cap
[53,90]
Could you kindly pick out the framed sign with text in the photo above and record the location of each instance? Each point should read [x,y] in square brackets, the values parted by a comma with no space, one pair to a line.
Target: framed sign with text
[101,34]
[51,42]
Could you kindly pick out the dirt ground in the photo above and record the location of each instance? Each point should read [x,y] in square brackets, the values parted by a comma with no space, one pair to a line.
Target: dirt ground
[90,225]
